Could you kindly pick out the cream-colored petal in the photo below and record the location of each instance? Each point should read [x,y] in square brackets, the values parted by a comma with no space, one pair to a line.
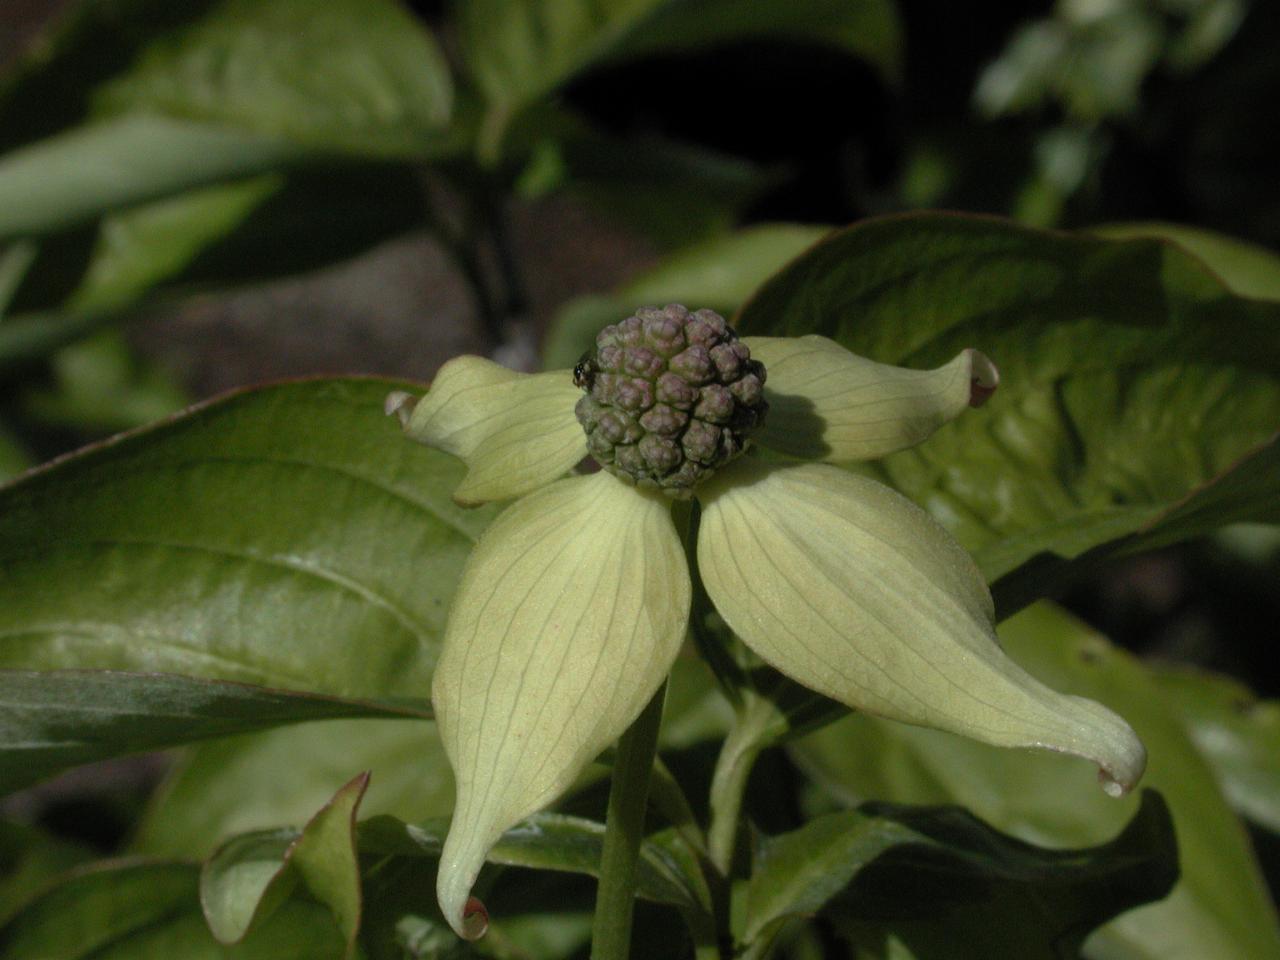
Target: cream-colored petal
[514,431]
[855,592]
[570,612]
[826,403]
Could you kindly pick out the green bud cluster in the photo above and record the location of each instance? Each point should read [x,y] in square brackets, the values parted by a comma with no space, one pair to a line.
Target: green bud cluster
[671,396]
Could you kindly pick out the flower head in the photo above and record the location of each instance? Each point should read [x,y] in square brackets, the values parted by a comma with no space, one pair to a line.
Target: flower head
[576,600]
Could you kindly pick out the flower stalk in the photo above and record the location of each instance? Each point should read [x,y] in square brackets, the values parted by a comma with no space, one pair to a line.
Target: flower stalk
[624,831]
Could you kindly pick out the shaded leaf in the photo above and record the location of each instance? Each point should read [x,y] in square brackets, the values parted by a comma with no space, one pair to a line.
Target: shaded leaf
[128,910]
[1249,270]
[948,885]
[287,536]
[53,720]
[385,88]
[261,780]
[1238,734]
[75,176]
[248,878]
[29,858]
[1220,906]
[545,841]
[719,274]
[1140,397]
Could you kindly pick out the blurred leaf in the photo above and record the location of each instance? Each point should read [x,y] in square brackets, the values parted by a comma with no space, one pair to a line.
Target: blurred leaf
[47,89]
[101,385]
[15,259]
[254,782]
[126,910]
[1220,906]
[29,858]
[76,176]
[385,88]
[244,882]
[1246,269]
[520,51]
[13,459]
[545,841]
[1140,398]
[869,29]
[719,274]
[949,886]
[287,536]
[62,718]
[1236,732]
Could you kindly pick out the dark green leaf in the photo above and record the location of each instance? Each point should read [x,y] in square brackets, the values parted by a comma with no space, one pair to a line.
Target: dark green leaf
[76,176]
[29,858]
[1249,270]
[719,274]
[53,720]
[546,841]
[13,459]
[947,885]
[1220,907]
[288,536]
[1236,732]
[127,910]
[1140,397]
[384,89]
[250,876]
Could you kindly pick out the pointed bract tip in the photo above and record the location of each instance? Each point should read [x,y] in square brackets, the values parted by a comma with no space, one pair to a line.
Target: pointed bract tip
[984,378]
[401,404]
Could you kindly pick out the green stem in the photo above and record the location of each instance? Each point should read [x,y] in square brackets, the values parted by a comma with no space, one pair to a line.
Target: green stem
[624,829]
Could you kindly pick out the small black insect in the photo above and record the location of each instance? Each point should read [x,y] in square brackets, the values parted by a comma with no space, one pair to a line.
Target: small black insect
[584,373]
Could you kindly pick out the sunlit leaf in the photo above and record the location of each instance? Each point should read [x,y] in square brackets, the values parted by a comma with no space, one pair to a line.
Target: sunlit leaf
[288,536]
[1140,397]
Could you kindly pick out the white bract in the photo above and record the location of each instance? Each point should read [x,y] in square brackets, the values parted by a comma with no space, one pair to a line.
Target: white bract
[575,602]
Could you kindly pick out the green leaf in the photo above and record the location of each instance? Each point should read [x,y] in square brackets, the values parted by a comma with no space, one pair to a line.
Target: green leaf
[1249,270]
[129,910]
[53,720]
[384,89]
[248,878]
[259,781]
[948,885]
[545,841]
[29,858]
[719,273]
[288,536]
[1220,906]
[73,177]
[1139,402]
[518,52]
[13,459]
[1238,734]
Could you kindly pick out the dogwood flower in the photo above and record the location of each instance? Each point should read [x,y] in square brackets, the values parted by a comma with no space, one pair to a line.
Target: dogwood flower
[575,601]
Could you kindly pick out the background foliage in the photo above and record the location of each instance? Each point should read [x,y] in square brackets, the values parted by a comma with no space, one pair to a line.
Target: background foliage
[263,578]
